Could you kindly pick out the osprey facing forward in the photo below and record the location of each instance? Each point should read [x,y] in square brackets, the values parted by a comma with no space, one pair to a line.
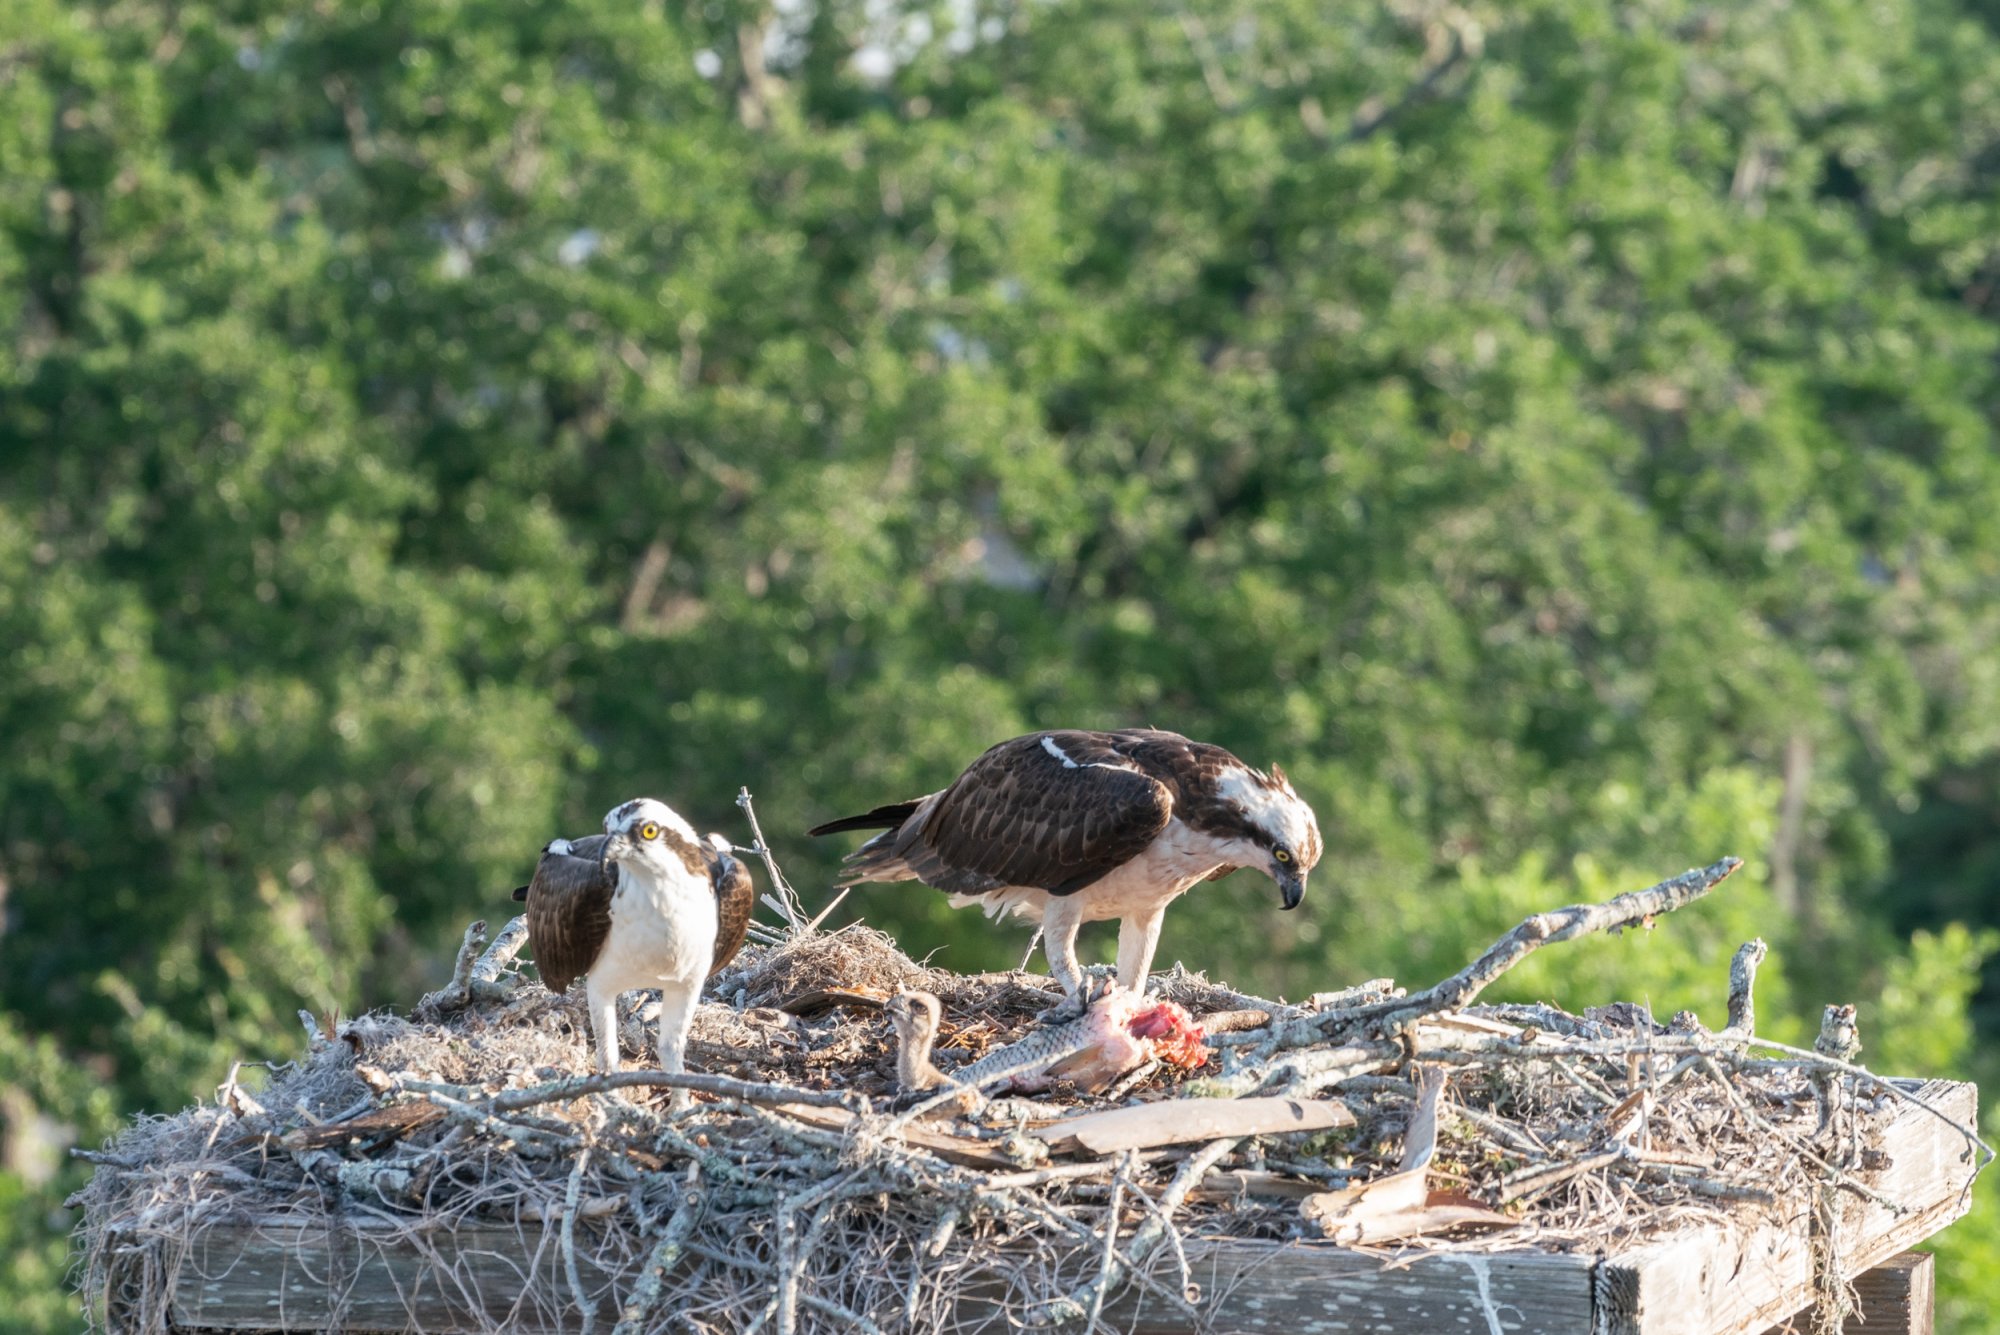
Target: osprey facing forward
[1072,827]
[645,904]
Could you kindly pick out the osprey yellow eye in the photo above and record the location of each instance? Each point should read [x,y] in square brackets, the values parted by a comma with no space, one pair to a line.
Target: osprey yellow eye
[1281,855]
[649,831]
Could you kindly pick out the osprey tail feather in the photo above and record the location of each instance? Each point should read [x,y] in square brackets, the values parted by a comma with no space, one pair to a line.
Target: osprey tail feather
[881,818]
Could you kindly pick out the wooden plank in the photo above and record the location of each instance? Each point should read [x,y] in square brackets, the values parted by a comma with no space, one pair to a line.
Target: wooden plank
[1315,1288]
[481,1276]
[1742,1280]
[1182,1121]
[1898,1297]
[438,1278]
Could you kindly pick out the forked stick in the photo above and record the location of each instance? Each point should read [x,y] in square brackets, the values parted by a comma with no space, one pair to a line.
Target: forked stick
[1627,910]
[787,902]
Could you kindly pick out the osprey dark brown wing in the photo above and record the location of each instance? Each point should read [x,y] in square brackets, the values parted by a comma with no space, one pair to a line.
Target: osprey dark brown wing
[735,897]
[1053,810]
[569,911]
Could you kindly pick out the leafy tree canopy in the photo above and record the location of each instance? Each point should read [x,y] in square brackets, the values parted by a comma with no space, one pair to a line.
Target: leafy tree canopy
[1562,436]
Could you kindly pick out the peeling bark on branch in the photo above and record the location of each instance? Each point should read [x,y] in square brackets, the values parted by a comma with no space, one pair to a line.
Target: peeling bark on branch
[1637,908]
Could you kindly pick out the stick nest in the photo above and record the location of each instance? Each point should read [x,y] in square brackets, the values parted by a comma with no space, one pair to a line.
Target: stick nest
[791,1197]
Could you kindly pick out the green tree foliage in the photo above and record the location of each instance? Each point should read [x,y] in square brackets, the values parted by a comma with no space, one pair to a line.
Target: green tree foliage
[1562,436]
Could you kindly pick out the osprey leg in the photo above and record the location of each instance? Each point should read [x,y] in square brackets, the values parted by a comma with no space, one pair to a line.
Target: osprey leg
[1059,923]
[676,1018]
[603,1024]
[1138,938]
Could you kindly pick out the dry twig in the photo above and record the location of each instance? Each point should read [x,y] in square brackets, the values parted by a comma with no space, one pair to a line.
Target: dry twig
[784,901]
[1638,908]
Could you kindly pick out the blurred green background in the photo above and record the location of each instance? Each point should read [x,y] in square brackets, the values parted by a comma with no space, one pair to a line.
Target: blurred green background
[1562,435]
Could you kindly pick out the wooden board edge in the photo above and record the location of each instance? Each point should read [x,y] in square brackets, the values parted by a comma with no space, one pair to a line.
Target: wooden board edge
[1251,1286]
[1646,1288]
[1255,1287]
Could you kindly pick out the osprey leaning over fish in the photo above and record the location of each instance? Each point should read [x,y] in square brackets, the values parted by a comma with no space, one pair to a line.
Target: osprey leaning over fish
[645,904]
[1073,827]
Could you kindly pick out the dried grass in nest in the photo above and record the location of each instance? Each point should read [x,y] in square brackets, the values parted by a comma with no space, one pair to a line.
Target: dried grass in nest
[741,1215]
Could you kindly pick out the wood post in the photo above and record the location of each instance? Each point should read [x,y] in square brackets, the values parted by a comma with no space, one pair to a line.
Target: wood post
[1898,1297]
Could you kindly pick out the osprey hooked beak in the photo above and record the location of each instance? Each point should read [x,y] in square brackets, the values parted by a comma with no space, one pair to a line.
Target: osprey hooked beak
[616,847]
[1291,883]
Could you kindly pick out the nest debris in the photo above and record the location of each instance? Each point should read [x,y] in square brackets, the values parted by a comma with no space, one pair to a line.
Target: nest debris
[794,1196]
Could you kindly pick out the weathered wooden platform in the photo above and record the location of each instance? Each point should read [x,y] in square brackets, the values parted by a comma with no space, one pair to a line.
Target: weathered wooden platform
[1739,1280]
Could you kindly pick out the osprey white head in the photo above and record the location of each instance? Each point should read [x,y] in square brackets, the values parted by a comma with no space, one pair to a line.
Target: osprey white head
[650,836]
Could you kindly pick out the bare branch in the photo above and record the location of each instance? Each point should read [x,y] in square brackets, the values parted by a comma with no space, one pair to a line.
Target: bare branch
[666,1254]
[1742,984]
[1636,908]
[787,904]
[500,954]
[1455,39]
[724,1086]
[586,1309]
